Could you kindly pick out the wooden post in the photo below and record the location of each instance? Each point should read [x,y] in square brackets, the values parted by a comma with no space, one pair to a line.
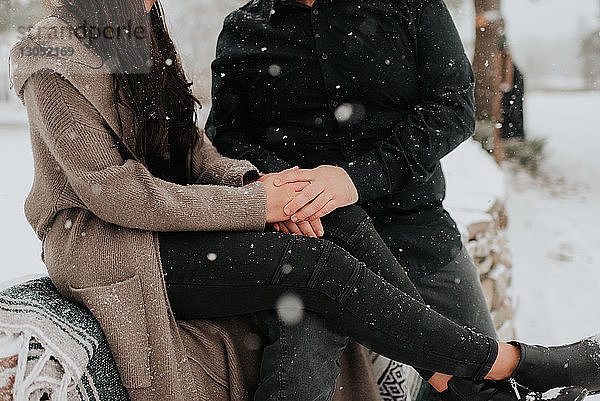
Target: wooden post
[489,66]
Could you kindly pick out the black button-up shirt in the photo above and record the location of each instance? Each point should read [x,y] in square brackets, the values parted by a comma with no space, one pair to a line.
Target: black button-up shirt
[382,88]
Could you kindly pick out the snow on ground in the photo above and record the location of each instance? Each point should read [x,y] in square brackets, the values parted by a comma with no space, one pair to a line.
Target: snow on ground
[554,222]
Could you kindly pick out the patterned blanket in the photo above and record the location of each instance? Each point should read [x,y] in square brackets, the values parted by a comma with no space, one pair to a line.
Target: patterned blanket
[53,349]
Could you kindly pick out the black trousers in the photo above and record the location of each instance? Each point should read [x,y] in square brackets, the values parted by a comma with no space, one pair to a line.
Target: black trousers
[351,278]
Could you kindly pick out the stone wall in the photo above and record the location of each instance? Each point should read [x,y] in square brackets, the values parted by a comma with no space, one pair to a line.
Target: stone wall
[488,247]
[475,199]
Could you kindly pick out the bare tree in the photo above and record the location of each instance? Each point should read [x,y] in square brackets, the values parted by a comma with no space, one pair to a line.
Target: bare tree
[491,64]
[590,57]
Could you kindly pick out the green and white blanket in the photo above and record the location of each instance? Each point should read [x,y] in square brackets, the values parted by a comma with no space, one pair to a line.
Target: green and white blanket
[60,352]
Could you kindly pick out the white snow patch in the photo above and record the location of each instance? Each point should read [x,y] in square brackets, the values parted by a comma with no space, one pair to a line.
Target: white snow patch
[474,183]
[554,224]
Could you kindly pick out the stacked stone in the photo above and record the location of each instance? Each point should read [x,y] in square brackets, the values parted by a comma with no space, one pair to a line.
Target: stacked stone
[487,245]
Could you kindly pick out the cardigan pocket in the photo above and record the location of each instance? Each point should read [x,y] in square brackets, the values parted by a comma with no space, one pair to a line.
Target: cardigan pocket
[119,308]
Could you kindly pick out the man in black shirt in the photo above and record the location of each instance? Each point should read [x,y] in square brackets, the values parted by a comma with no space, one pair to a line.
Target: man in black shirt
[380,88]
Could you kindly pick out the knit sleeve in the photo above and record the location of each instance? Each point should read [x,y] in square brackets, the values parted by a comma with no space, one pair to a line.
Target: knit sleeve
[210,167]
[123,192]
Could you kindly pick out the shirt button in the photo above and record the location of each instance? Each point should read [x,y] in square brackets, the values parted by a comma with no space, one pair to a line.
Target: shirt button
[324,56]
[315,12]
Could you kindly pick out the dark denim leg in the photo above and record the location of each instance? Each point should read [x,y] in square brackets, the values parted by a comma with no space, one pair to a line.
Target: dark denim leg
[364,242]
[224,274]
[300,362]
[352,229]
[455,292]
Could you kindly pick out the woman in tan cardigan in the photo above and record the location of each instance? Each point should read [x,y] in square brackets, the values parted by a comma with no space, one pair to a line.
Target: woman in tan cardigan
[120,167]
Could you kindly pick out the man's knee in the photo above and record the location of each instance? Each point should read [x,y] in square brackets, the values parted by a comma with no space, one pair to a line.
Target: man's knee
[455,292]
[345,220]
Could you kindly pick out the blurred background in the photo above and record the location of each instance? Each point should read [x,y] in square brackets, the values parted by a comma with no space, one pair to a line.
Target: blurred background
[526,191]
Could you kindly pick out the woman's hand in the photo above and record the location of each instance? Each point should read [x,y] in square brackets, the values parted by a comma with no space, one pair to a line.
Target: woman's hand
[279,196]
[330,188]
[313,228]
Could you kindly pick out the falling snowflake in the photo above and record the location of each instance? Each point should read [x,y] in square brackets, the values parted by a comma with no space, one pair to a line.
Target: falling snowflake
[290,309]
[252,342]
[287,268]
[347,112]
[96,189]
[211,257]
[343,112]
[274,70]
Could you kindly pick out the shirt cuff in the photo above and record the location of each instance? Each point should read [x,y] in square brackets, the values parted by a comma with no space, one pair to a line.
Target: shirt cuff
[268,163]
[369,178]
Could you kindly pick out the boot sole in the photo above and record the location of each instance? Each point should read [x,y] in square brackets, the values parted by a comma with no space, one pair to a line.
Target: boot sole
[582,396]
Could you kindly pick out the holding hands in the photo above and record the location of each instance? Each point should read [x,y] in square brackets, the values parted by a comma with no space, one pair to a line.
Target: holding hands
[297,199]
[279,196]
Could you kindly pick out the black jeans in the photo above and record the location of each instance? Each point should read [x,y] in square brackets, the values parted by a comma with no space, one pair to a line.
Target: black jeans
[363,294]
[299,362]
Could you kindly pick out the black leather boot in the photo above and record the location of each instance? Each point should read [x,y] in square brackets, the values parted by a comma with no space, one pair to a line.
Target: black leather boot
[544,368]
[465,390]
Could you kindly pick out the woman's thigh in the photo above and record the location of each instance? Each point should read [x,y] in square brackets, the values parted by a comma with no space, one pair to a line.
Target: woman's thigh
[216,274]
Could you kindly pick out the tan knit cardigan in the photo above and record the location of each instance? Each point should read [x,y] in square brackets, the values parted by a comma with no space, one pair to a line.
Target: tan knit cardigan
[97,215]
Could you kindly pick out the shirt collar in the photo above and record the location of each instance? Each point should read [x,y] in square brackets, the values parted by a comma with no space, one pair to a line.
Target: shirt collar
[268,7]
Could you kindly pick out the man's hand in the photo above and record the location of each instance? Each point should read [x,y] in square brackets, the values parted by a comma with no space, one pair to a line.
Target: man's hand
[330,188]
[312,228]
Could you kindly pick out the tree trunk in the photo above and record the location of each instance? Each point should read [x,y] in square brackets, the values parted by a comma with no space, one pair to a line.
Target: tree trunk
[489,65]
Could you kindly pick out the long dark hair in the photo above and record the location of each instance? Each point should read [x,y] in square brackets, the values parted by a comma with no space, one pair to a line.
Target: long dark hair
[149,74]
